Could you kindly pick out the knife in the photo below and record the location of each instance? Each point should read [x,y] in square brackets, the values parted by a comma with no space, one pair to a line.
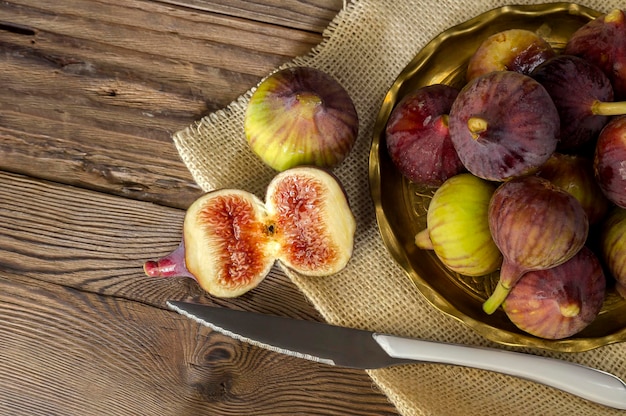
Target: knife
[356,348]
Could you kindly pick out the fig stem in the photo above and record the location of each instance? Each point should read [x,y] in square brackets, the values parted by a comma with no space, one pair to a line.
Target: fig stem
[423,241]
[614,16]
[608,108]
[570,310]
[476,126]
[496,299]
[172,265]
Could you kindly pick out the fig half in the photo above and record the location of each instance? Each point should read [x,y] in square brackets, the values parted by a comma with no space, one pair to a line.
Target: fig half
[536,225]
[301,116]
[231,238]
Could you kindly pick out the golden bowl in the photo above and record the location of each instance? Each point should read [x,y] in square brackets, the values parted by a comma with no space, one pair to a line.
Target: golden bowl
[401,206]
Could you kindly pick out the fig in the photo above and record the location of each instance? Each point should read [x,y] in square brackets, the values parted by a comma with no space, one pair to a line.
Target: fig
[231,238]
[609,161]
[574,174]
[503,124]
[559,302]
[418,138]
[583,96]
[613,246]
[602,41]
[301,116]
[516,50]
[536,225]
[458,227]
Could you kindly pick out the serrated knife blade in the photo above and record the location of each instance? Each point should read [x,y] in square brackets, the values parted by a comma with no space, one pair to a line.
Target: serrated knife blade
[356,348]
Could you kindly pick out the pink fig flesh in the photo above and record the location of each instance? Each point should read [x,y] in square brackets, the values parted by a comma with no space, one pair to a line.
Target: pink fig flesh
[418,138]
[559,302]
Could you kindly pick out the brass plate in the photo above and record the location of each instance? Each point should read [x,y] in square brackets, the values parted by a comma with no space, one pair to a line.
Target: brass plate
[401,206]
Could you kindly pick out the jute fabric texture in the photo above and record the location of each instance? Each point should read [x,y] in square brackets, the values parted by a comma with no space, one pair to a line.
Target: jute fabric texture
[365,48]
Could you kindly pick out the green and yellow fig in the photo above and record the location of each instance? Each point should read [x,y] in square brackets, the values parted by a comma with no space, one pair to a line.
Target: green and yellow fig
[301,116]
[613,246]
[458,228]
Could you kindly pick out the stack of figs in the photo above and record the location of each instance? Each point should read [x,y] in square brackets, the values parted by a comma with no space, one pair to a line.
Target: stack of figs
[528,160]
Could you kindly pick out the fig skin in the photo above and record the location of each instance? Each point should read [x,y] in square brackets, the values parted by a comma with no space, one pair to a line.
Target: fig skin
[602,41]
[458,227]
[583,96]
[231,239]
[613,246]
[559,302]
[609,161]
[503,125]
[418,138]
[301,116]
[574,174]
[516,50]
[536,225]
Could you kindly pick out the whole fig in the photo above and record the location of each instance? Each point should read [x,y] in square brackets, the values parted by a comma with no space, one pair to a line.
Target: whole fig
[418,138]
[503,124]
[574,174]
[610,161]
[536,225]
[559,302]
[301,116]
[613,246]
[231,238]
[458,228]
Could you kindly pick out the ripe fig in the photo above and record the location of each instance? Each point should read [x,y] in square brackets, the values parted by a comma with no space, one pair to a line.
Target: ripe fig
[583,96]
[536,225]
[516,50]
[610,161]
[301,116]
[231,238]
[458,227]
[574,174]
[613,246]
[503,124]
[559,302]
[602,41]
[418,139]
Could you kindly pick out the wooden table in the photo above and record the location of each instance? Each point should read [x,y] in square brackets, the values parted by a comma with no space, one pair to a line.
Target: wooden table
[91,186]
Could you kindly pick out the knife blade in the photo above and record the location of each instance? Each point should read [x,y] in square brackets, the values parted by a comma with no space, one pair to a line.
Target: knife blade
[356,348]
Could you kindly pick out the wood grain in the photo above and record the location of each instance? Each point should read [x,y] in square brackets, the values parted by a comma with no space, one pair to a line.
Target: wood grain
[91,187]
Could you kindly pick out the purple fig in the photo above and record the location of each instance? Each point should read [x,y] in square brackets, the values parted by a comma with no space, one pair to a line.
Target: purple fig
[602,42]
[613,246]
[503,124]
[574,174]
[583,96]
[559,302]
[610,161]
[418,138]
[516,50]
[536,225]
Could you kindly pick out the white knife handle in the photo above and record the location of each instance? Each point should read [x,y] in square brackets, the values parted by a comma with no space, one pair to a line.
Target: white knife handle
[586,382]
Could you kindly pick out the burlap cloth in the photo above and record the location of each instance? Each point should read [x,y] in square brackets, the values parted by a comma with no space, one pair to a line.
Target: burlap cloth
[365,48]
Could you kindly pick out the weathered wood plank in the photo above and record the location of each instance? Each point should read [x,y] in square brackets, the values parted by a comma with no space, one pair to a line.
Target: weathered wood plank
[94,89]
[68,352]
[311,15]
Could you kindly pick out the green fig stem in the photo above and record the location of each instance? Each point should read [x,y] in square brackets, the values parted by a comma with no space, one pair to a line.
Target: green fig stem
[614,16]
[476,126]
[423,241]
[608,108]
[509,276]
[172,265]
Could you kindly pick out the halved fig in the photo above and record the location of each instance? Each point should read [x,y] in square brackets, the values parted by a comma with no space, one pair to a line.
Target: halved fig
[231,239]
